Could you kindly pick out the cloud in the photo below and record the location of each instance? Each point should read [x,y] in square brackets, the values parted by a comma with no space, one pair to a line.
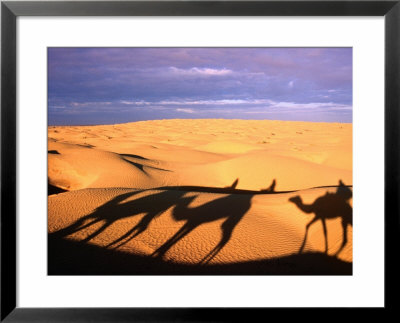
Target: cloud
[91,104]
[196,71]
[311,106]
[127,102]
[199,102]
[185,110]
[190,106]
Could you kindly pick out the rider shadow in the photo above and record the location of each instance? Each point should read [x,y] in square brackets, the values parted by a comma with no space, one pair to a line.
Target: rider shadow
[328,206]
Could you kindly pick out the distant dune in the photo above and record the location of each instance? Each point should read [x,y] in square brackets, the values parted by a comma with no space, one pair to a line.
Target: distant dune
[200,196]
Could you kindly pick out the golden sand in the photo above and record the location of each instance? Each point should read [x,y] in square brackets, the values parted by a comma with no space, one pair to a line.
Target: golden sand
[200,191]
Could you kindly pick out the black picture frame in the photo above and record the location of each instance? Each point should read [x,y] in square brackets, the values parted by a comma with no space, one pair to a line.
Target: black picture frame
[10,10]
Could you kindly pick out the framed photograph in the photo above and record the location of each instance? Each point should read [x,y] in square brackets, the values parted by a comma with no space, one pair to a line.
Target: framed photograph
[196,161]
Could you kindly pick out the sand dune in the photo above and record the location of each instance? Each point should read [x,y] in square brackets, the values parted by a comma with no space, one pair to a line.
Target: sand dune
[191,192]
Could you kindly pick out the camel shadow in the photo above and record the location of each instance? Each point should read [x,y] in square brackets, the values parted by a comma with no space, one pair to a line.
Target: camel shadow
[328,206]
[68,256]
[230,208]
[114,210]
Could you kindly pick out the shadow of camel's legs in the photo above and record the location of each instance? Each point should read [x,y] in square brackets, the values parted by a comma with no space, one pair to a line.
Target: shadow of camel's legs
[97,232]
[325,234]
[75,227]
[135,231]
[344,240]
[214,252]
[305,236]
[227,229]
[132,233]
[184,230]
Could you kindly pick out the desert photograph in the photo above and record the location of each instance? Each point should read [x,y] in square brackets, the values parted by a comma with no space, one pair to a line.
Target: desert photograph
[200,161]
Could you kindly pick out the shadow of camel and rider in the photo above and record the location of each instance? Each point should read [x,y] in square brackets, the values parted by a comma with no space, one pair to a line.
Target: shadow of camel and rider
[328,206]
[230,208]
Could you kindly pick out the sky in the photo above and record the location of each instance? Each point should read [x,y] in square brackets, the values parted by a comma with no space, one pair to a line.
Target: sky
[88,86]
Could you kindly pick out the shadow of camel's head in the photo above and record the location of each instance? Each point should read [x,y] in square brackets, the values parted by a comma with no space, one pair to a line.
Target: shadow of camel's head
[295,199]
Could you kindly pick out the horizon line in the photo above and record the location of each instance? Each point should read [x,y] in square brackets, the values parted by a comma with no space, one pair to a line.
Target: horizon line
[186,119]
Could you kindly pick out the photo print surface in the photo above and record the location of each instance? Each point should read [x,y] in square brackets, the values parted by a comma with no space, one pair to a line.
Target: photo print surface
[200,161]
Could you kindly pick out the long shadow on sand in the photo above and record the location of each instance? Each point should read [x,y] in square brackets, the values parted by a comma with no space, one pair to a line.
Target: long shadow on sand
[79,257]
[229,208]
[115,210]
